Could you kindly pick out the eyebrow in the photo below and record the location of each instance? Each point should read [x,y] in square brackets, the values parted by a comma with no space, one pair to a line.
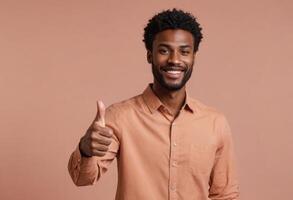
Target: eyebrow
[181,46]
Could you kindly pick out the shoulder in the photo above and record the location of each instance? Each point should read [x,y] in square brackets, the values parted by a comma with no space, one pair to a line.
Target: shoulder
[122,109]
[216,116]
[118,114]
[217,120]
[204,109]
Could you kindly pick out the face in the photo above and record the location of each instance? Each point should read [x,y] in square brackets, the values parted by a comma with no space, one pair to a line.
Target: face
[172,58]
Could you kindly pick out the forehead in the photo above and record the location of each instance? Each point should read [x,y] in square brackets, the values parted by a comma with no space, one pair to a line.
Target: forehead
[174,37]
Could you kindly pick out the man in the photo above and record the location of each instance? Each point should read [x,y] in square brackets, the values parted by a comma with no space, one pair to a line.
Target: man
[167,145]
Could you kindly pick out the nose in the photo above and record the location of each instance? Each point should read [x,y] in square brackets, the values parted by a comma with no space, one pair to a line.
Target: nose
[174,58]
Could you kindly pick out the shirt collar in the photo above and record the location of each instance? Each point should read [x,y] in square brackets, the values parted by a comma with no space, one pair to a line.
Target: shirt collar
[154,103]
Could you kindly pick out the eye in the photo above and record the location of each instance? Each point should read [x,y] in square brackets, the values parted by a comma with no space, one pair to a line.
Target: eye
[185,52]
[163,51]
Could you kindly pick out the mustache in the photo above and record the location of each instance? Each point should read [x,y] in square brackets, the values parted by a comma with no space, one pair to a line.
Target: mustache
[174,67]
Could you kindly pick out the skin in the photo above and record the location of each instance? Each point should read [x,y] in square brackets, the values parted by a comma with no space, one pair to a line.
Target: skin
[171,49]
[97,138]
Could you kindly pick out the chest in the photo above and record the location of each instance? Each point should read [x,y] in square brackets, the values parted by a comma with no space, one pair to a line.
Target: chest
[156,142]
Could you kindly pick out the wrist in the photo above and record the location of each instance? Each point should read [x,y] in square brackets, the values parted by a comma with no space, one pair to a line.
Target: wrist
[82,153]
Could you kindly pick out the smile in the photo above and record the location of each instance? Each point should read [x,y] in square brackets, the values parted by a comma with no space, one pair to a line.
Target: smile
[173,74]
[173,69]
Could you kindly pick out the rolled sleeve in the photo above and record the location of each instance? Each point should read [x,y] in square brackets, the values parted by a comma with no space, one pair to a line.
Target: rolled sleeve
[83,170]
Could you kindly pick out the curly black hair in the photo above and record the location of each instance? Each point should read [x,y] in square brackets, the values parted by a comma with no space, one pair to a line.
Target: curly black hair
[172,19]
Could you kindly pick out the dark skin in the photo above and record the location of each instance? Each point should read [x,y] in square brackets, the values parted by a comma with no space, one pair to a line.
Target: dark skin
[172,49]
[172,60]
[97,138]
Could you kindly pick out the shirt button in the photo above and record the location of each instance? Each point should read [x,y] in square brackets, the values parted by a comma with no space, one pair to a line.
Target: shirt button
[174,144]
[174,164]
[173,188]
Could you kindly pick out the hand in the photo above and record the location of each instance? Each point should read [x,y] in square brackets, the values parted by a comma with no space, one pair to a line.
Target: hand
[97,139]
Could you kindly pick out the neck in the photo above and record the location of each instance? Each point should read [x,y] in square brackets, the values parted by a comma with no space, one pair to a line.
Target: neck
[173,100]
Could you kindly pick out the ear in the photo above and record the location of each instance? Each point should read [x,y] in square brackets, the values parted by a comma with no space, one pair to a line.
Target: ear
[194,54]
[149,56]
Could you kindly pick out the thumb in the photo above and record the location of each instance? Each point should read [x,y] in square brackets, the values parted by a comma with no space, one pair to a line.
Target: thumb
[101,110]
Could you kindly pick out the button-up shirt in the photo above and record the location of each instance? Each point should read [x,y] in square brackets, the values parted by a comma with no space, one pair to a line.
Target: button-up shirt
[159,157]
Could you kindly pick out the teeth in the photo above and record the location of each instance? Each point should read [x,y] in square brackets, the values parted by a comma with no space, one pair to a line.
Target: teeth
[173,72]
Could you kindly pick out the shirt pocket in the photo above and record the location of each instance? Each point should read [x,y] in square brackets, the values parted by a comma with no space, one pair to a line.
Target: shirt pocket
[201,158]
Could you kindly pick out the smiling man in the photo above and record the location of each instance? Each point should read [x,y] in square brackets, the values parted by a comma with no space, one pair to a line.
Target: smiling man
[167,144]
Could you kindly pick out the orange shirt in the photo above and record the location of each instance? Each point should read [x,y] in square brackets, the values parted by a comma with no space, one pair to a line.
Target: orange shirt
[188,158]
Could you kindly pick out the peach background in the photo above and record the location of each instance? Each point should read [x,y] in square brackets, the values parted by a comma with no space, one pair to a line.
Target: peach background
[59,57]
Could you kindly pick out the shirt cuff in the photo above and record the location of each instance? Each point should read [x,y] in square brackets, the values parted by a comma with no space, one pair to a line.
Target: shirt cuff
[83,163]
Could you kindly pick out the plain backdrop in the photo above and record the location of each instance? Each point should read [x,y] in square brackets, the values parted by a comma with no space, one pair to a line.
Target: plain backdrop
[57,57]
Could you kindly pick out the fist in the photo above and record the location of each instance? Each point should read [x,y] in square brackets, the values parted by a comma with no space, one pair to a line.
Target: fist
[97,139]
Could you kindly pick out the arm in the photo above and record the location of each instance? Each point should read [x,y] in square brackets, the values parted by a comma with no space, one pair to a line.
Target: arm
[96,150]
[87,170]
[223,180]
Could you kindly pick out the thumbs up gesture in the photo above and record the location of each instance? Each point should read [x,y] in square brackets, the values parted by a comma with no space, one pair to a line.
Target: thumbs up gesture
[97,139]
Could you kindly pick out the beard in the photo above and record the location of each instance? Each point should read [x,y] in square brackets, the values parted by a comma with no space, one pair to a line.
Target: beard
[169,86]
